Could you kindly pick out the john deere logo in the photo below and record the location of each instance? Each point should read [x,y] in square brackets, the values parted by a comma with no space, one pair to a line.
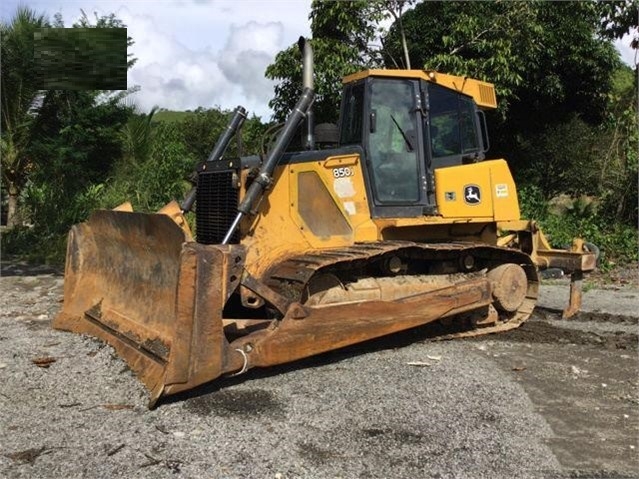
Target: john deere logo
[472,195]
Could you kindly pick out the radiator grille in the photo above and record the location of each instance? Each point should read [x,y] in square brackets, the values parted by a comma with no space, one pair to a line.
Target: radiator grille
[216,207]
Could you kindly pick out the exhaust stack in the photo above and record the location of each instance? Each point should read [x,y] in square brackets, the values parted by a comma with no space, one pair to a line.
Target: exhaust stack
[307,83]
[265,176]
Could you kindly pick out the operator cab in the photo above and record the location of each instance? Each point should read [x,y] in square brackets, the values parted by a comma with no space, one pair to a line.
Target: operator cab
[408,125]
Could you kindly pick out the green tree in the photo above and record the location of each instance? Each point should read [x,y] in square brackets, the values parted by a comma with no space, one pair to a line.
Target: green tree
[105,21]
[550,62]
[138,136]
[18,95]
[158,155]
[618,17]
[253,136]
[395,9]
[547,57]
[617,165]
[568,82]
[547,158]
[47,133]
[574,69]
[76,141]
[201,129]
[152,181]
[342,36]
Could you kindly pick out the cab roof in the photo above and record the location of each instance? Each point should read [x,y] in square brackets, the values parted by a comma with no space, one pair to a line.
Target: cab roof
[482,92]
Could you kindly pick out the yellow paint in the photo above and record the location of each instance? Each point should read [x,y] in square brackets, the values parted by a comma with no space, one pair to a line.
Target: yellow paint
[279,231]
[272,235]
[337,161]
[482,92]
[348,193]
[491,180]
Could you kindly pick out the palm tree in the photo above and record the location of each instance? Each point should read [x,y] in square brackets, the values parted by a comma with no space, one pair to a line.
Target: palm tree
[137,137]
[19,91]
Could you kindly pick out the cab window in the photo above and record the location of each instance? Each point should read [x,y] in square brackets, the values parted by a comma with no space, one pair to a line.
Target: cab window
[393,142]
[352,116]
[452,123]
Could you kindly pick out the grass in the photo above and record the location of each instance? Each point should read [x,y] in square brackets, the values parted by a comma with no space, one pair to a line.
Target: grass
[168,116]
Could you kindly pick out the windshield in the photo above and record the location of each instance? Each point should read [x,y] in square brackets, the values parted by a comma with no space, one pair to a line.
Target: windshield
[393,146]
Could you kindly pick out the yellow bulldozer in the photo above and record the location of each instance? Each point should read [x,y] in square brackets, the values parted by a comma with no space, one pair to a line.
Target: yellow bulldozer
[388,221]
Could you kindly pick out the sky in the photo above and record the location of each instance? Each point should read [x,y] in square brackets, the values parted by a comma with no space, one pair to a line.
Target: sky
[195,53]
[203,53]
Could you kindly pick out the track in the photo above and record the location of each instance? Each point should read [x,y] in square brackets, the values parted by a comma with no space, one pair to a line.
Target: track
[408,264]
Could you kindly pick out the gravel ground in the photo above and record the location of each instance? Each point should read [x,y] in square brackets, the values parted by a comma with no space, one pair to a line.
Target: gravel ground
[618,300]
[465,412]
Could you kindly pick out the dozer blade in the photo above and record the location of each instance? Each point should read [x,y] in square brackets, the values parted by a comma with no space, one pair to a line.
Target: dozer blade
[135,281]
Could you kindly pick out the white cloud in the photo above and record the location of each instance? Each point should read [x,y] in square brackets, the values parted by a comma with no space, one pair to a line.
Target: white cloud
[170,74]
[248,51]
[175,76]
[628,54]
[193,53]
[177,69]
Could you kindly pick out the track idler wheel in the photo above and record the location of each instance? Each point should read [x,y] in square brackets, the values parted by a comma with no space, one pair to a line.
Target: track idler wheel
[510,285]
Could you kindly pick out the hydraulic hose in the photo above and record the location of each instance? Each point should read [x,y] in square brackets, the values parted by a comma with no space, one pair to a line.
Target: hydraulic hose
[239,115]
[265,176]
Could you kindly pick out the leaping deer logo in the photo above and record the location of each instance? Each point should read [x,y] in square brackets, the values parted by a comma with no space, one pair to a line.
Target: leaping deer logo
[472,194]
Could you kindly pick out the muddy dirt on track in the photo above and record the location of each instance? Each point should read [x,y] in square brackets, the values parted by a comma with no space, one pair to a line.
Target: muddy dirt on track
[552,399]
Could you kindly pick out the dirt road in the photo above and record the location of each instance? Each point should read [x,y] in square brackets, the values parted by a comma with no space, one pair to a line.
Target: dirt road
[551,399]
